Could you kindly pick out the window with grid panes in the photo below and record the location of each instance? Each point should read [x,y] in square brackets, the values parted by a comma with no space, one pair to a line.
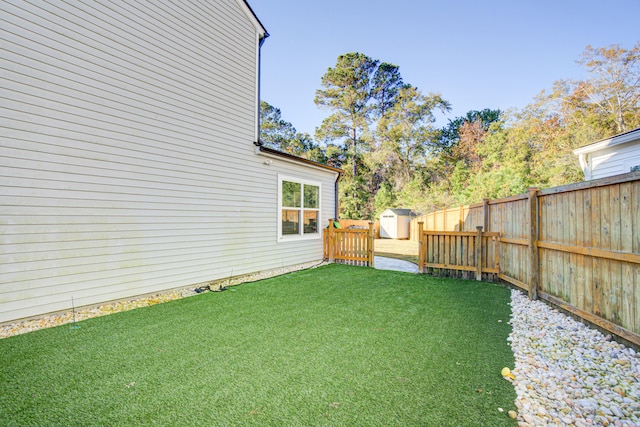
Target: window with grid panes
[299,208]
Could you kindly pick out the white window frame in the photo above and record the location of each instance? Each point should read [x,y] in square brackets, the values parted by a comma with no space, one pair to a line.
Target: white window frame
[301,234]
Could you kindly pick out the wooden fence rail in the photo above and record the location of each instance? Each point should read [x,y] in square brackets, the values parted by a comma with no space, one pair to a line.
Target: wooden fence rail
[575,246]
[349,245]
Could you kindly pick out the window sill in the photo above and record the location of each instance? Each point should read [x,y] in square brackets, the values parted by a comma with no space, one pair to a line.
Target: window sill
[297,237]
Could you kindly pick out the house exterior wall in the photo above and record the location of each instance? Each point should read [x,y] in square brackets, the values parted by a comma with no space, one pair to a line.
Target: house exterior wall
[127,157]
[614,160]
[611,156]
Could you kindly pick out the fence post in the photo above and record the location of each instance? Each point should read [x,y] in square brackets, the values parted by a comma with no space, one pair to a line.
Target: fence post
[479,253]
[421,248]
[461,218]
[331,241]
[370,243]
[486,213]
[534,254]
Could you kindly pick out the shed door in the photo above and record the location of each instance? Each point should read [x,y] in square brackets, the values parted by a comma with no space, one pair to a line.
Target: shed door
[388,226]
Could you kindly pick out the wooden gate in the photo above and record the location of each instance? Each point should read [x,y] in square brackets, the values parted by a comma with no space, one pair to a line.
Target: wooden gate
[453,253]
[349,245]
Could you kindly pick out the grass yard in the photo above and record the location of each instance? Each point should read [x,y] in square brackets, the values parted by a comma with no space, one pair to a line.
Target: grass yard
[332,346]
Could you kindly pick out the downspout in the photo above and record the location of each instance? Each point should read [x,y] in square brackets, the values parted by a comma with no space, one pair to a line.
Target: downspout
[261,40]
[258,143]
[335,192]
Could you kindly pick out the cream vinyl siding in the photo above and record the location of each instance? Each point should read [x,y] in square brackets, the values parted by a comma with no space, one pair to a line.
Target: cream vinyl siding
[127,163]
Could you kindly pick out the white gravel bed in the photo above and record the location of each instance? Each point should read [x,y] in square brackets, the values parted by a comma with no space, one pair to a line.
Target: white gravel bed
[567,374]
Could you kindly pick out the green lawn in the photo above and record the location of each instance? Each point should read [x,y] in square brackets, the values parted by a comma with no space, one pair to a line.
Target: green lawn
[332,346]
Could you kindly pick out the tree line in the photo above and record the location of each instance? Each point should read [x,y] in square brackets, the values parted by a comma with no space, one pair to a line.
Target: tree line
[381,131]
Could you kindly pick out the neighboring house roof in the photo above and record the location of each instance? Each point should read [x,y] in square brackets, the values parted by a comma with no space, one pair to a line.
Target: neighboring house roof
[608,156]
[622,138]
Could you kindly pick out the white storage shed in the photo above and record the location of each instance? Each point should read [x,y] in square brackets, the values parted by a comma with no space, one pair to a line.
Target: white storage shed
[394,223]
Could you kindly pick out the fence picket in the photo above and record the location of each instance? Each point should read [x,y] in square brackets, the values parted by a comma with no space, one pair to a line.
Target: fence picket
[586,238]
[349,246]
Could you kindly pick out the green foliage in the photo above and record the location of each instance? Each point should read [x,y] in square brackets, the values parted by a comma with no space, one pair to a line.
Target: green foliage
[335,345]
[383,126]
[291,193]
[347,93]
[612,91]
[387,82]
[280,135]
[355,199]
[274,131]
[385,198]
[490,154]
[459,180]
[450,134]
[414,195]
[381,132]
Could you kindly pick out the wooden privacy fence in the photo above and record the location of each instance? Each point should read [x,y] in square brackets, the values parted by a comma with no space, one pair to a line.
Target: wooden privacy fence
[349,245]
[360,223]
[452,219]
[576,246]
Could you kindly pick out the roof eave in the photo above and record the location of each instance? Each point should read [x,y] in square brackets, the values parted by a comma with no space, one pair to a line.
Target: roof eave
[262,31]
[293,158]
[622,138]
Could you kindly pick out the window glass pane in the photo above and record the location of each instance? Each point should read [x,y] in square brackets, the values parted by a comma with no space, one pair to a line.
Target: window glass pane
[290,194]
[310,222]
[290,221]
[311,196]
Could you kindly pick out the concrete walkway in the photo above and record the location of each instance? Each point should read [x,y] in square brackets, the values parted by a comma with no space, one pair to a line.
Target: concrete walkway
[382,263]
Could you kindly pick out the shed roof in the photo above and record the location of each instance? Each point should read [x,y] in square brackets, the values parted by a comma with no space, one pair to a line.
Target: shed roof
[399,212]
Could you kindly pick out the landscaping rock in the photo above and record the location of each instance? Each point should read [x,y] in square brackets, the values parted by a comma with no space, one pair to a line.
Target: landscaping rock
[567,373]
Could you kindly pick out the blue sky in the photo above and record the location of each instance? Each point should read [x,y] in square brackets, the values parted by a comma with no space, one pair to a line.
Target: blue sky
[476,54]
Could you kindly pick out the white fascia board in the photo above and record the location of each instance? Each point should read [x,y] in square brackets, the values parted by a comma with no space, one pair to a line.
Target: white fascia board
[262,32]
[297,161]
[624,138]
